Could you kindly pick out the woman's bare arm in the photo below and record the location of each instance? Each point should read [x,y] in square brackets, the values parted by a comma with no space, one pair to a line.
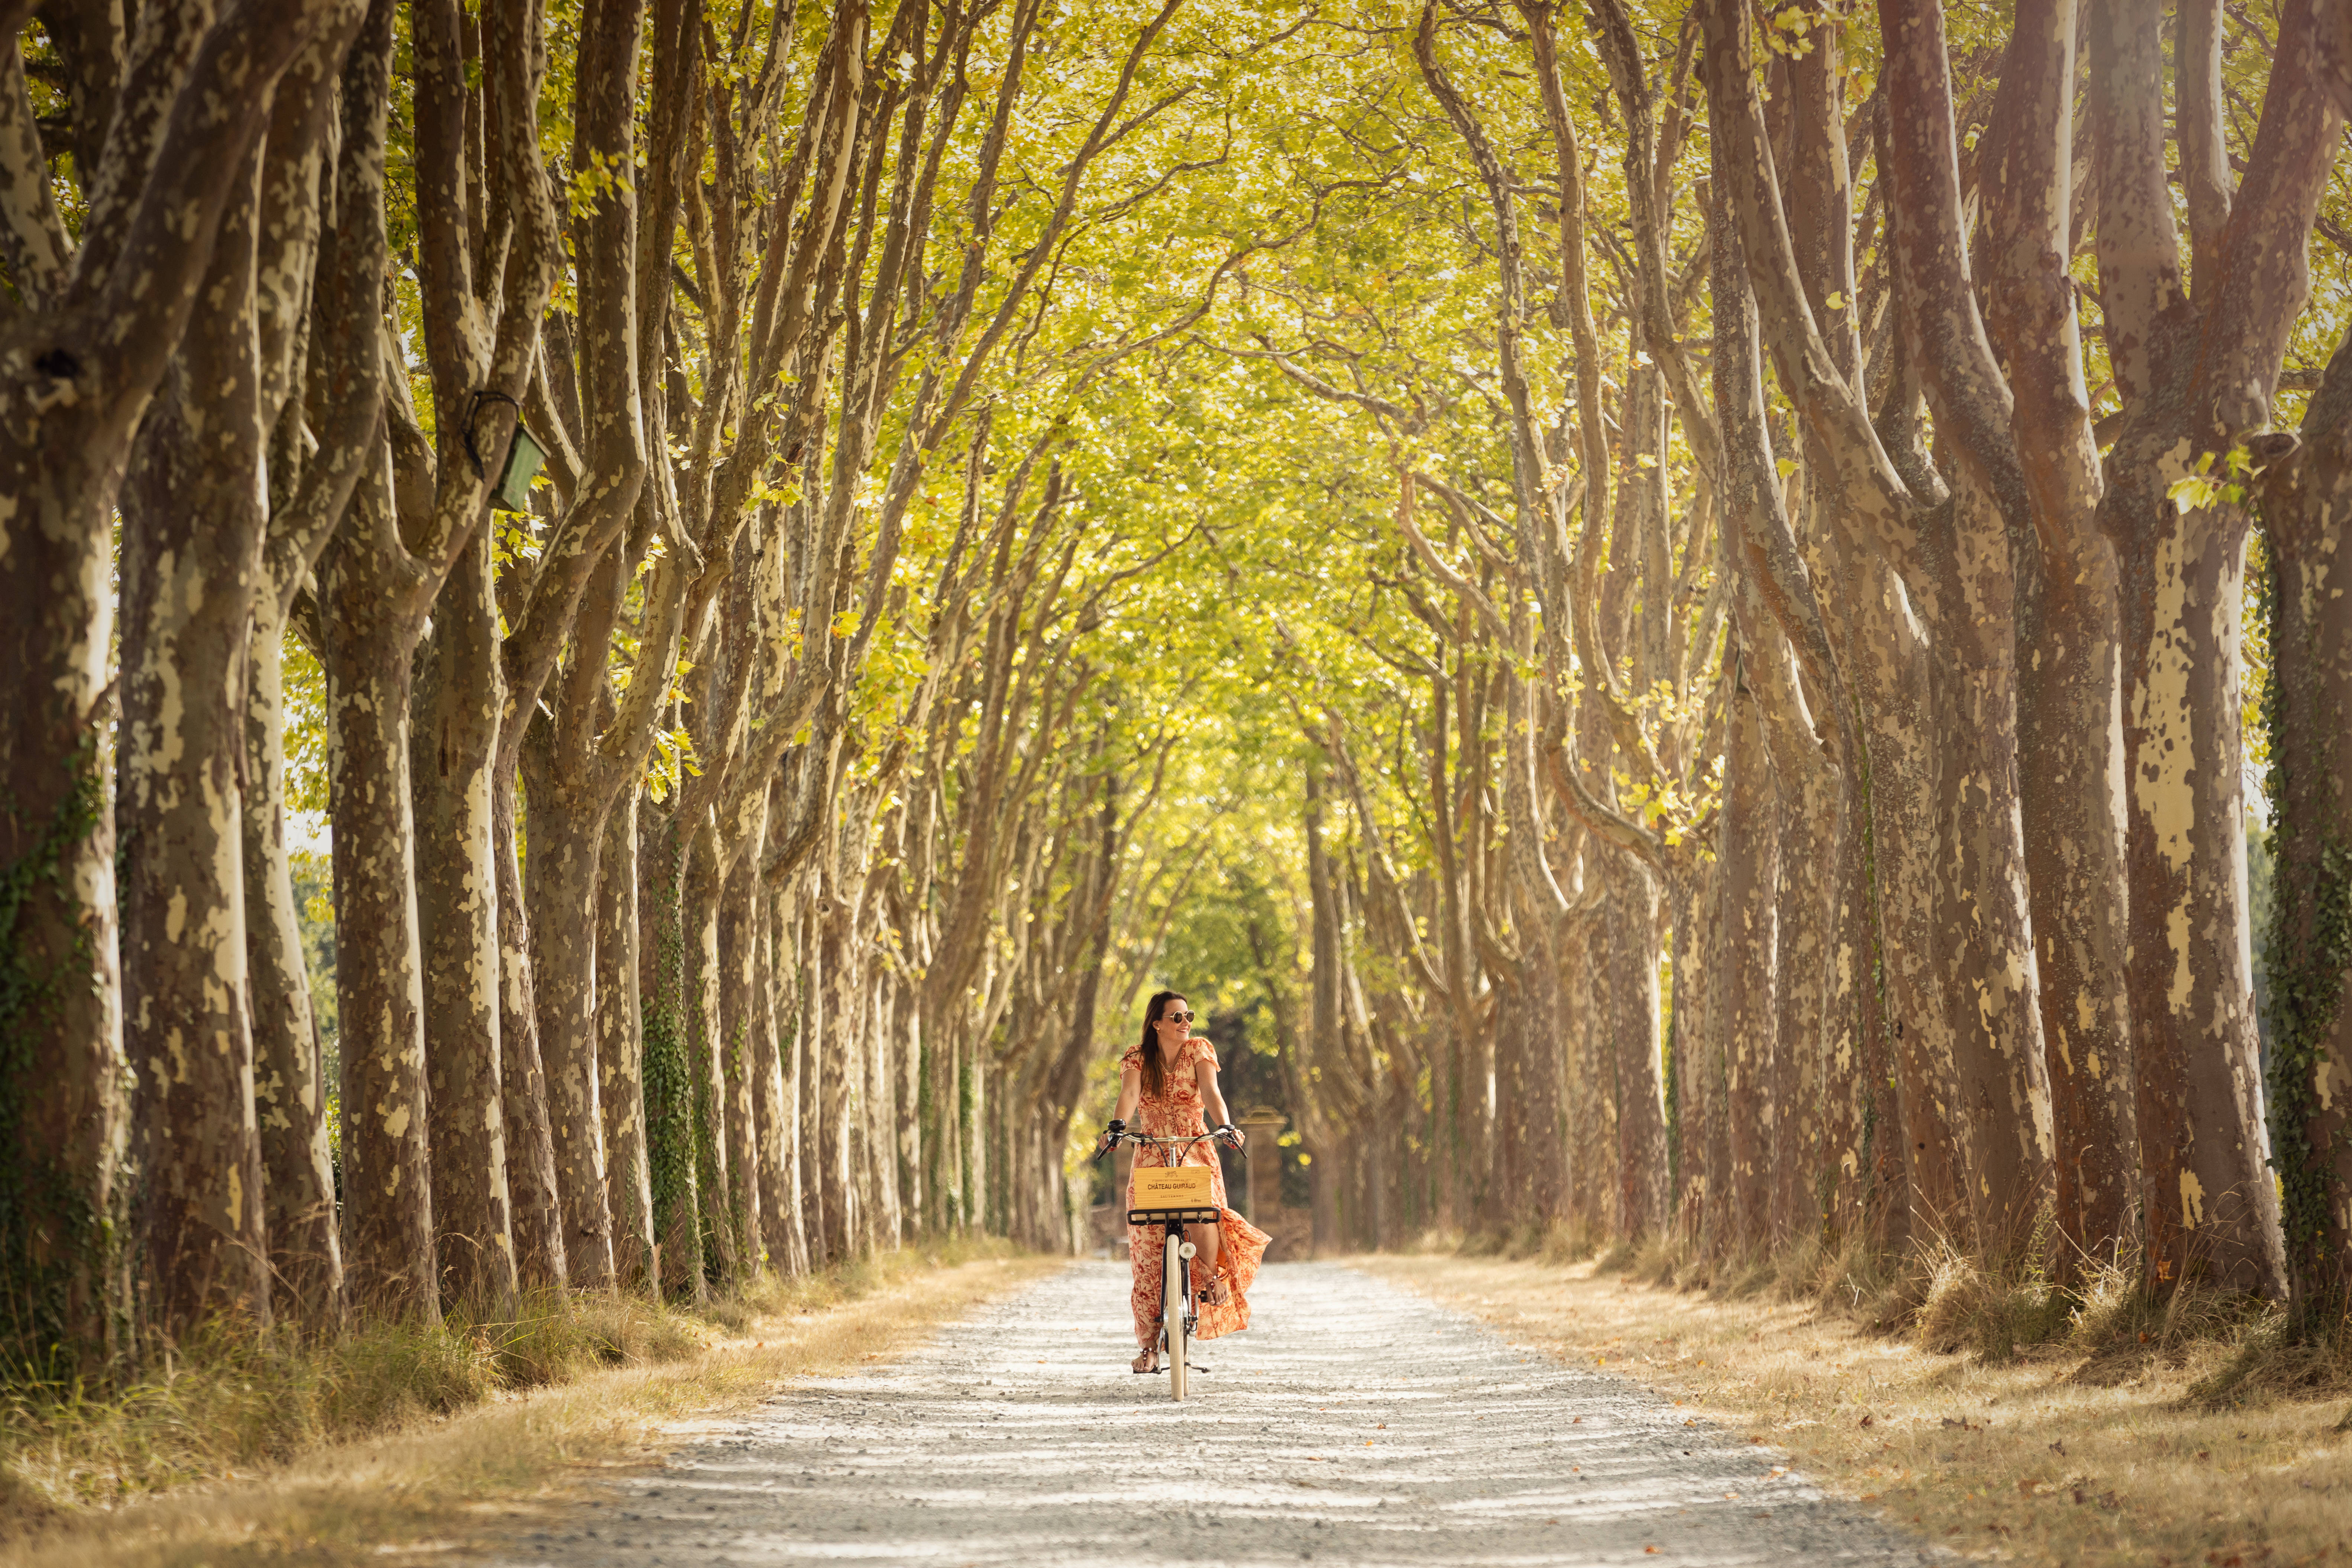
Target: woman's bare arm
[1130,1089]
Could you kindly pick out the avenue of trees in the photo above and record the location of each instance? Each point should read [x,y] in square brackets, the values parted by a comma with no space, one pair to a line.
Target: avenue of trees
[1690,599]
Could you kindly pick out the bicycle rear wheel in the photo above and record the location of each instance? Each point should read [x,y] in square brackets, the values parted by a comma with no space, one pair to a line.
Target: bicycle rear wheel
[1171,1316]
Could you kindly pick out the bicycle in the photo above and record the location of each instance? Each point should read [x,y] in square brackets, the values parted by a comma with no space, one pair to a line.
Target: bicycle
[1177,1311]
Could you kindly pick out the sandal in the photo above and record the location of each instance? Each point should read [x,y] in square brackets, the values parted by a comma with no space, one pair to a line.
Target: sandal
[1218,1294]
[1153,1357]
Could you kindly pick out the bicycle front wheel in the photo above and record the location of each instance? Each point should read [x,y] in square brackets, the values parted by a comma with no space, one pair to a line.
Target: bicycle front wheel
[1171,1315]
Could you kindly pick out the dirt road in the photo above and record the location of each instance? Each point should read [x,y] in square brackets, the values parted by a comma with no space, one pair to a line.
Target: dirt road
[1354,1424]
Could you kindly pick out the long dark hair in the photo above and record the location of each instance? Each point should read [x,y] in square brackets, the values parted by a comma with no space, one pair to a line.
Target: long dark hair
[1155,1066]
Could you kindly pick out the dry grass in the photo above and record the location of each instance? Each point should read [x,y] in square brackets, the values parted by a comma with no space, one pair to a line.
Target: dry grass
[427,1483]
[2114,1433]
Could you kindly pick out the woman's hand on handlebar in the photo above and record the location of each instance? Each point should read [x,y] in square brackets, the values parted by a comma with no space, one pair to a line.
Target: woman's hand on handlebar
[1109,1138]
[1228,1133]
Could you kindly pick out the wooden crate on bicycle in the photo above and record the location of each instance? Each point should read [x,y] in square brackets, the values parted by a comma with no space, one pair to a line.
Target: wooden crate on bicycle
[1173,1187]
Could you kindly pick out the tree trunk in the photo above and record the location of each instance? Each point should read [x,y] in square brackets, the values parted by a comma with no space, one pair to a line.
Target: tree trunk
[1749,856]
[1629,953]
[561,890]
[866,1154]
[1863,1126]
[2070,718]
[668,1081]
[193,529]
[298,1178]
[837,1153]
[2308,712]
[1985,937]
[1807,857]
[620,1053]
[2211,1211]
[457,925]
[2197,375]
[1893,682]
[1969,582]
[1698,1152]
[344,411]
[809,1084]
[379,991]
[740,932]
[777,1118]
[542,1260]
[1538,1189]
[881,1118]
[88,347]
[706,1058]
[906,1070]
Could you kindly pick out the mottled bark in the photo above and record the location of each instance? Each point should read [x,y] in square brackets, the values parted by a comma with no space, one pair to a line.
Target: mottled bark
[1894,685]
[2070,705]
[1987,938]
[1862,1138]
[542,1259]
[1530,1081]
[388,1238]
[1629,950]
[1802,1166]
[81,371]
[1702,1008]
[561,890]
[742,1018]
[193,529]
[620,1053]
[611,438]
[306,1254]
[195,536]
[882,1037]
[456,737]
[1862,1112]
[2070,721]
[808,1078]
[1748,853]
[409,523]
[2209,1207]
[775,1086]
[343,401]
[1768,764]
[583,782]
[2196,376]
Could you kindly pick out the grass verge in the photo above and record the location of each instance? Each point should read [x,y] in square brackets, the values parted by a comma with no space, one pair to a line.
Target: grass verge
[2125,1439]
[369,1458]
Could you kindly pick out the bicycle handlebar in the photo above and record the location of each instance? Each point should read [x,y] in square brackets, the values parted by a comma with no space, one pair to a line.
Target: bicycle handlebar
[1114,1139]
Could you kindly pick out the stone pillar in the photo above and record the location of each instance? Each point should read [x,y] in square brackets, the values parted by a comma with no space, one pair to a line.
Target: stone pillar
[1262,1128]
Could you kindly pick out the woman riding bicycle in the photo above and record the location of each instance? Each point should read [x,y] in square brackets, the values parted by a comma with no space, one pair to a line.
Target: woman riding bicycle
[1164,1085]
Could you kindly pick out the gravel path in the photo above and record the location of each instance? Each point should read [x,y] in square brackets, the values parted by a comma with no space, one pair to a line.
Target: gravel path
[1354,1424]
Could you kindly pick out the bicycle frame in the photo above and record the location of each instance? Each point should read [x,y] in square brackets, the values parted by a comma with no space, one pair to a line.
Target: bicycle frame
[1177,1311]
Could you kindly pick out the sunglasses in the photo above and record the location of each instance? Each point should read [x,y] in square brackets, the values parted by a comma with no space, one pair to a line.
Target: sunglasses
[1175,1017]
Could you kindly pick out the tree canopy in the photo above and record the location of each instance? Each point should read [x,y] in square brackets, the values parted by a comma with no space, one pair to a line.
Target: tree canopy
[1671,608]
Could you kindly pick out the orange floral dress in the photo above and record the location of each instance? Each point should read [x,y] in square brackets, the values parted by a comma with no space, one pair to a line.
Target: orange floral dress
[1175,1113]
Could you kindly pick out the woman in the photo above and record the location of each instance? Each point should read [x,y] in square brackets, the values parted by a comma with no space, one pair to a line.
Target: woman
[1163,1086]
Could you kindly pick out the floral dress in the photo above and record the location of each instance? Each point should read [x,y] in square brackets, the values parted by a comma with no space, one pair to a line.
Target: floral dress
[1175,1113]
